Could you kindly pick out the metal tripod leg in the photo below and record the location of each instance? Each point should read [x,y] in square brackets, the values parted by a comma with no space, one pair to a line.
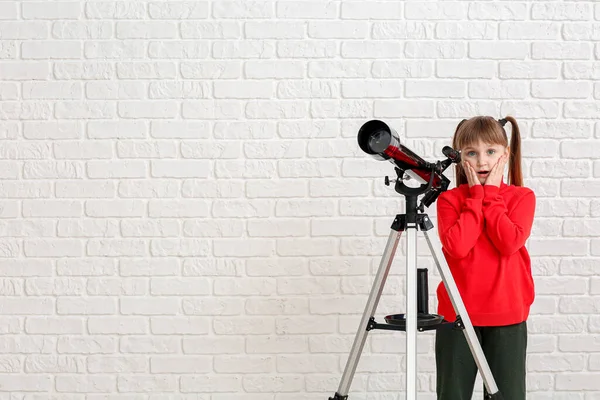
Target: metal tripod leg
[411,311]
[372,302]
[461,311]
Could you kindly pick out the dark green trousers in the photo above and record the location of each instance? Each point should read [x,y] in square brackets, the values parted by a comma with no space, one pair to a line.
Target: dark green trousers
[505,349]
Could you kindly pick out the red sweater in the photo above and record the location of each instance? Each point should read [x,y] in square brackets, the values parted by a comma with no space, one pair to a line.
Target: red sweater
[483,230]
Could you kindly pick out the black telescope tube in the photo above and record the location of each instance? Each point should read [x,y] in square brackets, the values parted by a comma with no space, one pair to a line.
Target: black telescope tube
[377,139]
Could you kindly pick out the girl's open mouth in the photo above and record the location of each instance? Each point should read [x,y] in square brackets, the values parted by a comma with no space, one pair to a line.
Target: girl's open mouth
[483,173]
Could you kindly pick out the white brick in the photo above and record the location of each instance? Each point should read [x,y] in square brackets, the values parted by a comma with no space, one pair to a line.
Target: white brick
[339,69]
[498,11]
[23,30]
[149,267]
[243,10]
[180,247]
[116,364]
[213,228]
[306,10]
[54,287]
[53,248]
[25,189]
[364,89]
[146,30]
[435,50]
[320,89]
[562,12]
[147,109]
[8,10]
[24,70]
[41,325]
[180,169]
[570,247]
[147,306]
[210,30]
[581,381]
[179,325]
[271,30]
[529,30]
[213,345]
[26,306]
[8,50]
[146,70]
[178,10]
[246,248]
[213,306]
[116,287]
[54,364]
[84,110]
[88,70]
[499,90]
[32,382]
[180,365]
[211,70]
[114,91]
[10,130]
[52,130]
[53,10]
[27,343]
[553,90]
[85,383]
[212,267]
[25,110]
[187,287]
[211,383]
[237,364]
[249,49]
[505,50]
[116,247]
[211,109]
[51,50]
[115,10]
[113,50]
[561,51]
[370,49]
[149,345]
[146,149]
[575,169]
[177,90]
[118,169]
[82,30]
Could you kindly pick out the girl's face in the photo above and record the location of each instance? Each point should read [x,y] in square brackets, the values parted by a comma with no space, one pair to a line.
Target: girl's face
[482,157]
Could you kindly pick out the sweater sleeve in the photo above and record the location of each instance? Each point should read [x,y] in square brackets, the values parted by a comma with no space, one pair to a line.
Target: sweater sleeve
[508,229]
[459,229]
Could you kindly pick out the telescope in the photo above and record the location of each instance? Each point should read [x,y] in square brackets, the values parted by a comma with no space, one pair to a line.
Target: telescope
[380,141]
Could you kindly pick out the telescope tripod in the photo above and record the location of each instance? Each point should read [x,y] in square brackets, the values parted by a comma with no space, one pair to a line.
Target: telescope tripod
[416,317]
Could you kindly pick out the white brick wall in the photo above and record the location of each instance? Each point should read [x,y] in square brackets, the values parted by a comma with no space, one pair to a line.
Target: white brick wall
[185,212]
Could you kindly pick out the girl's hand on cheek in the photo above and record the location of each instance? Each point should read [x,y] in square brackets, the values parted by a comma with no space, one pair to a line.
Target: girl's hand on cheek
[472,177]
[495,176]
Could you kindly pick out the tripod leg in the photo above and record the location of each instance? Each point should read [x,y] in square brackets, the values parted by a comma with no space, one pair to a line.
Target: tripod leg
[411,311]
[372,302]
[461,311]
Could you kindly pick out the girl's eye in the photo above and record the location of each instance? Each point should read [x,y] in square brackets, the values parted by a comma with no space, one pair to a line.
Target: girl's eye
[471,154]
[491,151]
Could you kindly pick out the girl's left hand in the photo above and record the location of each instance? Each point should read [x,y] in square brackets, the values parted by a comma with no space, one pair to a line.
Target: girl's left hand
[495,176]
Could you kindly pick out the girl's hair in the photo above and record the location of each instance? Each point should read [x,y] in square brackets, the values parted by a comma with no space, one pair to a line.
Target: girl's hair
[490,131]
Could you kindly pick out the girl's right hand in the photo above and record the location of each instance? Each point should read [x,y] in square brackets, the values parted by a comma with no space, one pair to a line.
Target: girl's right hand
[472,177]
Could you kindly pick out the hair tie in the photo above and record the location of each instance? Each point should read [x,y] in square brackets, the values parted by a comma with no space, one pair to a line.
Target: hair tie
[502,121]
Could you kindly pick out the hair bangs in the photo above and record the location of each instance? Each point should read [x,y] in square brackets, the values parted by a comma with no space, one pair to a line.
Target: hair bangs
[484,129]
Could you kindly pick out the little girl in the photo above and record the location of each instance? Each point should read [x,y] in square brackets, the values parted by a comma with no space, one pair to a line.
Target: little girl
[483,224]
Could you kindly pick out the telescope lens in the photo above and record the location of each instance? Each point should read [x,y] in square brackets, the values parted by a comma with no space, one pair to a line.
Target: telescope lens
[379,141]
